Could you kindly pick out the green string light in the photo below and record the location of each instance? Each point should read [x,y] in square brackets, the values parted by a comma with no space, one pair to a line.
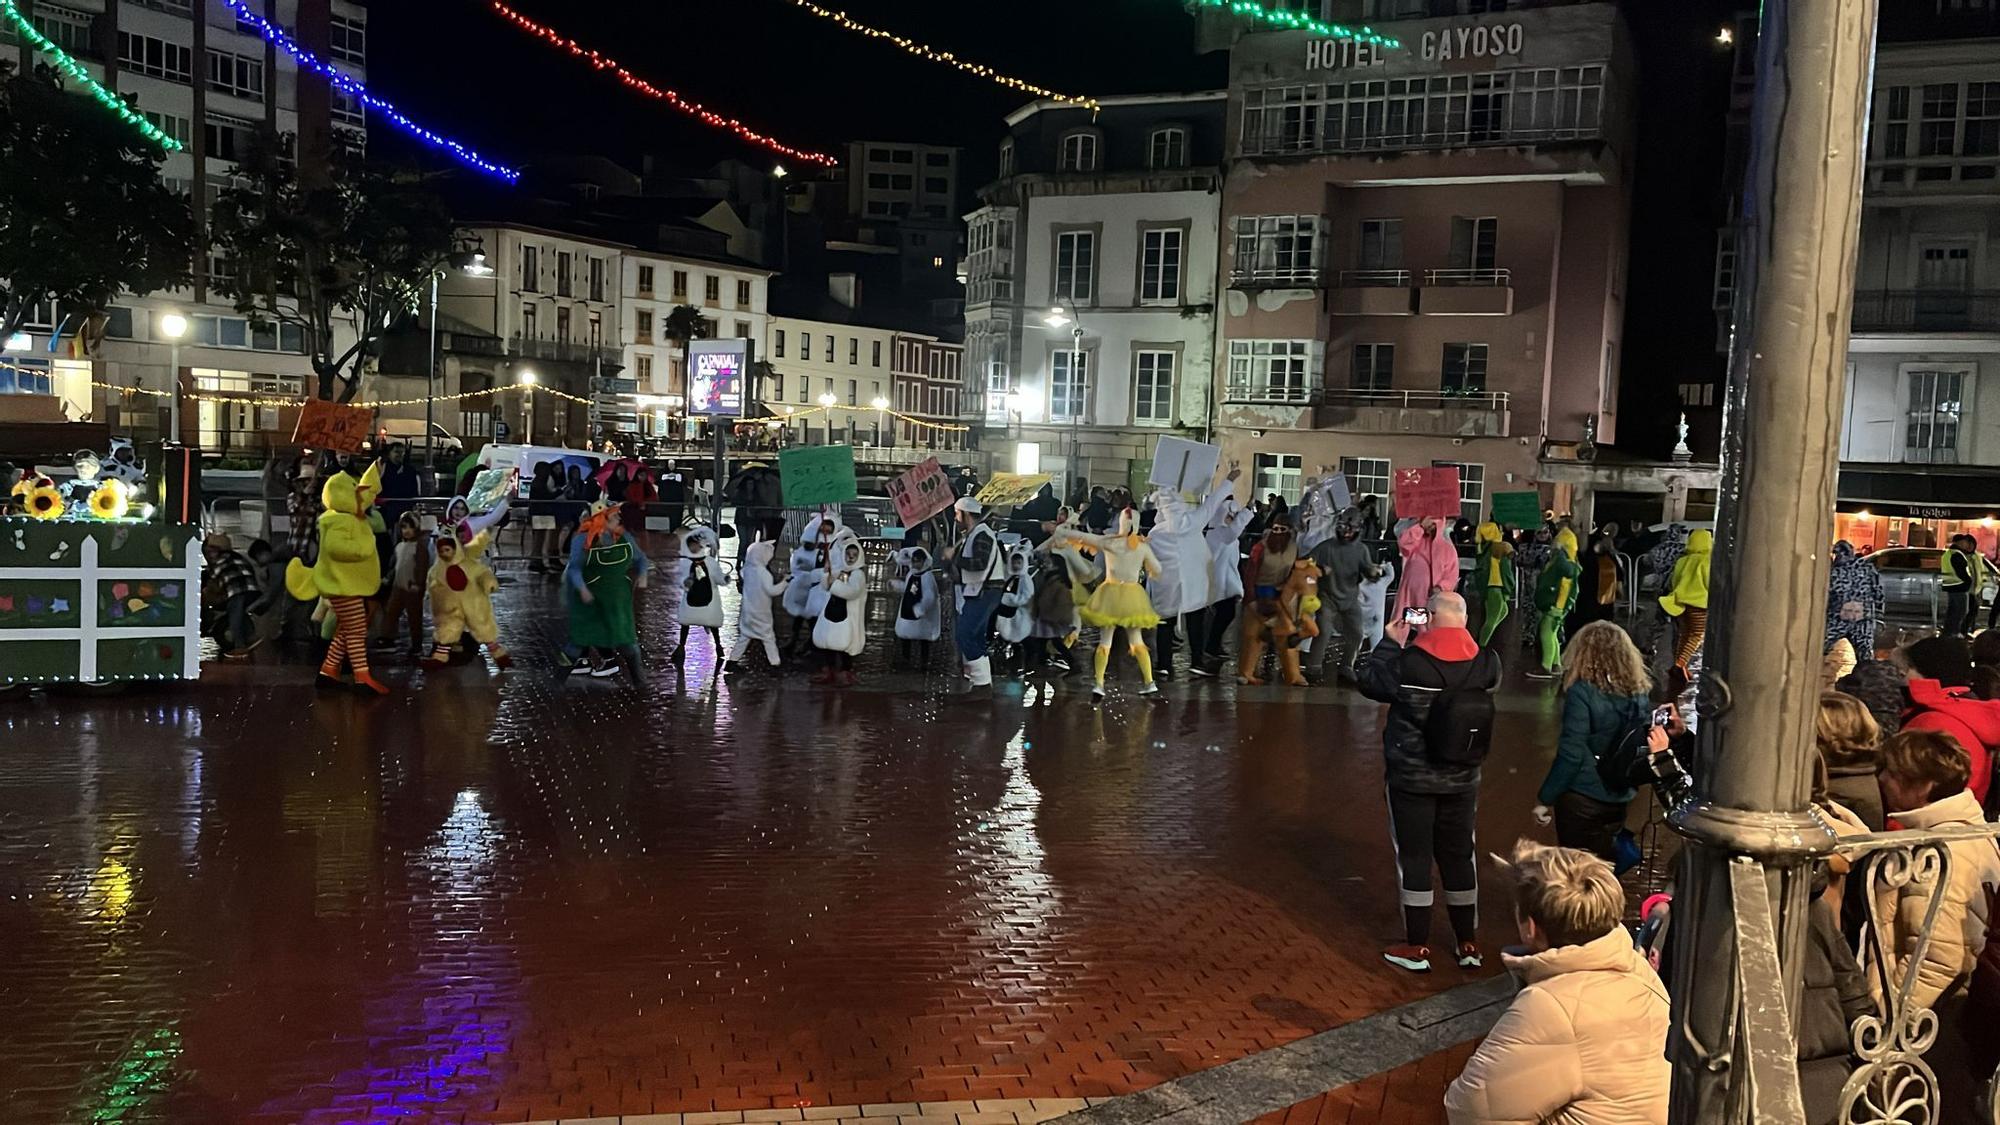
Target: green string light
[109,99]
[1302,22]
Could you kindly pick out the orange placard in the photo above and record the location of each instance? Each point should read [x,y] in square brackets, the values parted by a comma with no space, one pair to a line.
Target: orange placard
[333,425]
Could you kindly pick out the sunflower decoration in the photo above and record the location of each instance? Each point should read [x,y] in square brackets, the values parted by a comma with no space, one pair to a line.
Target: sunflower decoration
[43,502]
[111,499]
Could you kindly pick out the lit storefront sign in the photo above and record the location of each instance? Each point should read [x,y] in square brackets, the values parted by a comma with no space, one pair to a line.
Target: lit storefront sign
[1477,41]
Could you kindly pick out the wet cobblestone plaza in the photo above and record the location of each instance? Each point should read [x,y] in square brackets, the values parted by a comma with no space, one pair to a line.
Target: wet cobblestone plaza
[508,897]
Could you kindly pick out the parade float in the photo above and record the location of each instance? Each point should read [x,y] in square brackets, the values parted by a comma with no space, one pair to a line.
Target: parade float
[100,574]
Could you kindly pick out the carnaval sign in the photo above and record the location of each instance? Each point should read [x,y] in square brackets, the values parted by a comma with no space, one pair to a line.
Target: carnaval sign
[921,493]
[717,372]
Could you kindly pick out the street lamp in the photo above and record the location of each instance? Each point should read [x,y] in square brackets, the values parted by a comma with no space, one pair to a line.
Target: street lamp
[174,326]
[529,379]
[826,401]
[470,261]
[1058,317]
[880,404]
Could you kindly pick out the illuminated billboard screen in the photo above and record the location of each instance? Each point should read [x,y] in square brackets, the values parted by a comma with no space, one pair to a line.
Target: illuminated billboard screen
[718,371]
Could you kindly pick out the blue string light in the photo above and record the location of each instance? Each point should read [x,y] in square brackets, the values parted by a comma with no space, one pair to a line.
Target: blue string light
[340,81]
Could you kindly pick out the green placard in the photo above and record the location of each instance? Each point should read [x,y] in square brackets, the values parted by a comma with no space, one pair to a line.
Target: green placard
[813,475]
[1518,509]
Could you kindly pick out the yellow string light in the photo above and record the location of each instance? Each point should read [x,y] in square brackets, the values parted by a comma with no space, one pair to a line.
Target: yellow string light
[924,51]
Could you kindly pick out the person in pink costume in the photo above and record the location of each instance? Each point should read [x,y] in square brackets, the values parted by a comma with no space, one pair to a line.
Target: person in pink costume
[1430,564]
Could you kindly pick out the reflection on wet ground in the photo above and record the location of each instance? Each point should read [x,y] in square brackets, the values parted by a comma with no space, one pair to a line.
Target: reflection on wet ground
[507,897]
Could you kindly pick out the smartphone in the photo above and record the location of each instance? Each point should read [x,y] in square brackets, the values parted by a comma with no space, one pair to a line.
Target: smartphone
[1416,615]
[1663,715]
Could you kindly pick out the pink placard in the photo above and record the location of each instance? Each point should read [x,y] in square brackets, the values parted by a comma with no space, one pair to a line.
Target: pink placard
[1427,493]
[921,493]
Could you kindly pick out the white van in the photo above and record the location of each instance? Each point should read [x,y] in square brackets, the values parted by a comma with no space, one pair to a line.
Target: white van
[527,457]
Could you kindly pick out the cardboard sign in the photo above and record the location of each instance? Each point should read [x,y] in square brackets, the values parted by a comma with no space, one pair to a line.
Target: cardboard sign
[1427,493]
[1338,491]
[814,475]
[921,493]
[1183,465]
[1008,489]
[1517,509]
[338,426]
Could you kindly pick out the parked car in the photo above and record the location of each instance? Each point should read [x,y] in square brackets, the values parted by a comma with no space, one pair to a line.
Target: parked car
[1910,590]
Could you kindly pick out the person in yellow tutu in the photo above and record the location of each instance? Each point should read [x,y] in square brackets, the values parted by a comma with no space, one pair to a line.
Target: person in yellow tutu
[1119,602]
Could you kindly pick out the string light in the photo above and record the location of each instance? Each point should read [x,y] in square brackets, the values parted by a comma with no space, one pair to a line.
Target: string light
[109,99]
[924,51]
[1299,21]
[340,81]
[632,81]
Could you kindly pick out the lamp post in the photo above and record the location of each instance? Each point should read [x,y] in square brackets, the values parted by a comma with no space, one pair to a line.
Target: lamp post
[528,380]
[174,326]
[1058,317]
[881,405]
[470,261]
[826,401]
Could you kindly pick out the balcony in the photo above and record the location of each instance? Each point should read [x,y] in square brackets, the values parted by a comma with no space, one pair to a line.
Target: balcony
[1292,140]
[1266,392]
[1927,310]
[563,351]
[1466,292]
[1372,293]
[1245,275]
[1438,413]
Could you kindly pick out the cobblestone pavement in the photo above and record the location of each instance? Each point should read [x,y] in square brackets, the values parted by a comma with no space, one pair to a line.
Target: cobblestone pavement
[506,897]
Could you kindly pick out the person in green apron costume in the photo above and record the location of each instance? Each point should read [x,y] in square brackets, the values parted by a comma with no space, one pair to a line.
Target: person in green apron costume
[605,564]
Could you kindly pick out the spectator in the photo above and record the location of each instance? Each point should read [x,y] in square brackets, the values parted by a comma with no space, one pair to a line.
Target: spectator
[1848,741]
[1433,760]
[1606,696]
[228,583]
[1986,663]
[1939,671]
[1853,601]
[1836,994]
[1959,576]
[1583,1041]
[1878,684]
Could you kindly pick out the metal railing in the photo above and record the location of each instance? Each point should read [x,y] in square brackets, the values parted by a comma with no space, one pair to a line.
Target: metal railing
[1302,393]
[1294,140]
[1303,277]
[561,351]
[1417,400]
[1374,279]
[1926,310]
[1468,277]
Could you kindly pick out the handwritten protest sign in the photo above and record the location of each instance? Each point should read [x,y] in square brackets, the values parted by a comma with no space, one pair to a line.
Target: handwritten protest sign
[813,475]
[1008,489]
[1183,465]
[921,493]
[340,427]
[1427,493]
[1518,509]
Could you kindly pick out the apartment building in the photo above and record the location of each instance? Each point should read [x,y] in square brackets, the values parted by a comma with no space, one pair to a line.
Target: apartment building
[733,298]
[834,372]
[928,379]
[1424,245]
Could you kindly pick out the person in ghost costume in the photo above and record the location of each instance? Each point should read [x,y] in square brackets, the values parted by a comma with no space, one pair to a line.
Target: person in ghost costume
[841,630]
[1224,536]
[1120,602]
[802,592]
[1179,541]
[919,610]
[1015,618]
[701,601]
[754,618]
[461,590]
[1375,602]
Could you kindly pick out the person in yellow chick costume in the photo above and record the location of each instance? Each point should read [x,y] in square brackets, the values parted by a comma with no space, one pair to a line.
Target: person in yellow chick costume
[462,588]
[1119,602]
[347,573]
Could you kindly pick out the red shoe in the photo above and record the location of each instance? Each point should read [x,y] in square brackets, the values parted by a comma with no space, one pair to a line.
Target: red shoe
[1415,958]
[504,660]
[367,680]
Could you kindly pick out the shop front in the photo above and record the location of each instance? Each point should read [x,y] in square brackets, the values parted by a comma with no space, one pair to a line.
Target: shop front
[1882,508]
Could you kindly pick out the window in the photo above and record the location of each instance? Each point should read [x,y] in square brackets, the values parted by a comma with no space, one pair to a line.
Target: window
[1946,266]
[1725,268]
[1474,244]
[239,332]
[1075,266]
[1895,131]
[1374,367]
[1937,127]
[711,290]
[1277,248]
[1160,266]
[528,322]
[1464,369]
[853,352]
[778,344]
[743,330]
[156,57]
[743,294]
[228,138]
[1366,476]
[642,366]
[805,381]
[875,353]
[597,279]
[345,108]
[1069,377]
[236,74]
[854,392]
[1381,246]
[1471,487]
[348,39]
[1442,110]
[1270,370]
[1982,122]
[805,346]
[1281,119]
[645,281]
[1168,148]
[531,269]
[680,285]
[1153,389]
[1697,394]
[829,347]
[173,125]
[562,274]
[1931,427]
[1006,159]
[642,327]
[937,185]
[1078,153]
[562,324]
[1282,473]
[67,28]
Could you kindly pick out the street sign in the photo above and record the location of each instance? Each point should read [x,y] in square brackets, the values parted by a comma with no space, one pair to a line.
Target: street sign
[618,386]
[502,431]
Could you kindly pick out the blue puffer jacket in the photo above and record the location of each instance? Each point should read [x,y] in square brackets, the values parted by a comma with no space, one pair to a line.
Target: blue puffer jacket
[1592,721]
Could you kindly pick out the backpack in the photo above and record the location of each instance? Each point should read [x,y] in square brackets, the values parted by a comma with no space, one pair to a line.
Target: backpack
[1458,731]
[1626,761]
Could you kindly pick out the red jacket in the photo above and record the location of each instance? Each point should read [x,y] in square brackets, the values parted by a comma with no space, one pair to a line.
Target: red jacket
[1974,723]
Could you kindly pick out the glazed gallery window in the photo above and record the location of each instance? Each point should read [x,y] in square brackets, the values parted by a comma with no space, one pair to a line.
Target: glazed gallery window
[1153,388]
[1069,376]
[1076,266]
[1277,248]
[1270,370]
[1160,266]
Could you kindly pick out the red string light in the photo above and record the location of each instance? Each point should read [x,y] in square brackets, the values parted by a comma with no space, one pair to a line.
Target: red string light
[632,81]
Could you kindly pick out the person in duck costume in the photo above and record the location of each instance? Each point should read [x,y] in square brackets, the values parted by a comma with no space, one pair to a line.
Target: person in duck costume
[841,629]
[461,589]
[1120,602]
[754,620]
[1686,599]
[1555,596]
[1493,577]
[605,566]
[347,573]
[919,612]
[701,603]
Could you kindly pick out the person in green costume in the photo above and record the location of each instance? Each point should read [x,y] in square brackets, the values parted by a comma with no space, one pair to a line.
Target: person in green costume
[1493,575]
[605,564]
[1555,596]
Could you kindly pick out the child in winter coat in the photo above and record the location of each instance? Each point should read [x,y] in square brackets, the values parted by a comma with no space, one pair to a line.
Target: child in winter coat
[409,566]
[1015,620]
[841,628]
[1054,614]
[753,620]
[1581,1040]
[461,587]
[919,611]
[701,604]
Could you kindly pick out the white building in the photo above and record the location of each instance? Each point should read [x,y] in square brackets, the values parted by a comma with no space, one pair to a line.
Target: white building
[1111,218]
[832,374]
[732,296]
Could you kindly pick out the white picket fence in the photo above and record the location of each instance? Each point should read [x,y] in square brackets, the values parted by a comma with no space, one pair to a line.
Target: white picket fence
[87,574]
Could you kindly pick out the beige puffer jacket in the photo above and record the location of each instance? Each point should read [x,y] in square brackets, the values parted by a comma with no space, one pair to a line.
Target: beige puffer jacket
[1583,1044]
[1960,932]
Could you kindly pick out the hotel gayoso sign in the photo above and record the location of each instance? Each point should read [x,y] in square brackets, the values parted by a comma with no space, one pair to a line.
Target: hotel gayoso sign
[1479,41]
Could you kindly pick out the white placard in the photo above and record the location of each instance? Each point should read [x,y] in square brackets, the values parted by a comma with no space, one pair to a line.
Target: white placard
[1183,465]
[541,523]
[659,523]
[1338,492]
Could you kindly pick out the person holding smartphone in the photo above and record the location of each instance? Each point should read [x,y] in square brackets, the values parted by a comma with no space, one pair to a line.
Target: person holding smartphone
[1606,696]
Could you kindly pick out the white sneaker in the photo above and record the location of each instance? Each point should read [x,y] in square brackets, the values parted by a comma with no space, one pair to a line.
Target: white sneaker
[981,671]
[1150,688]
